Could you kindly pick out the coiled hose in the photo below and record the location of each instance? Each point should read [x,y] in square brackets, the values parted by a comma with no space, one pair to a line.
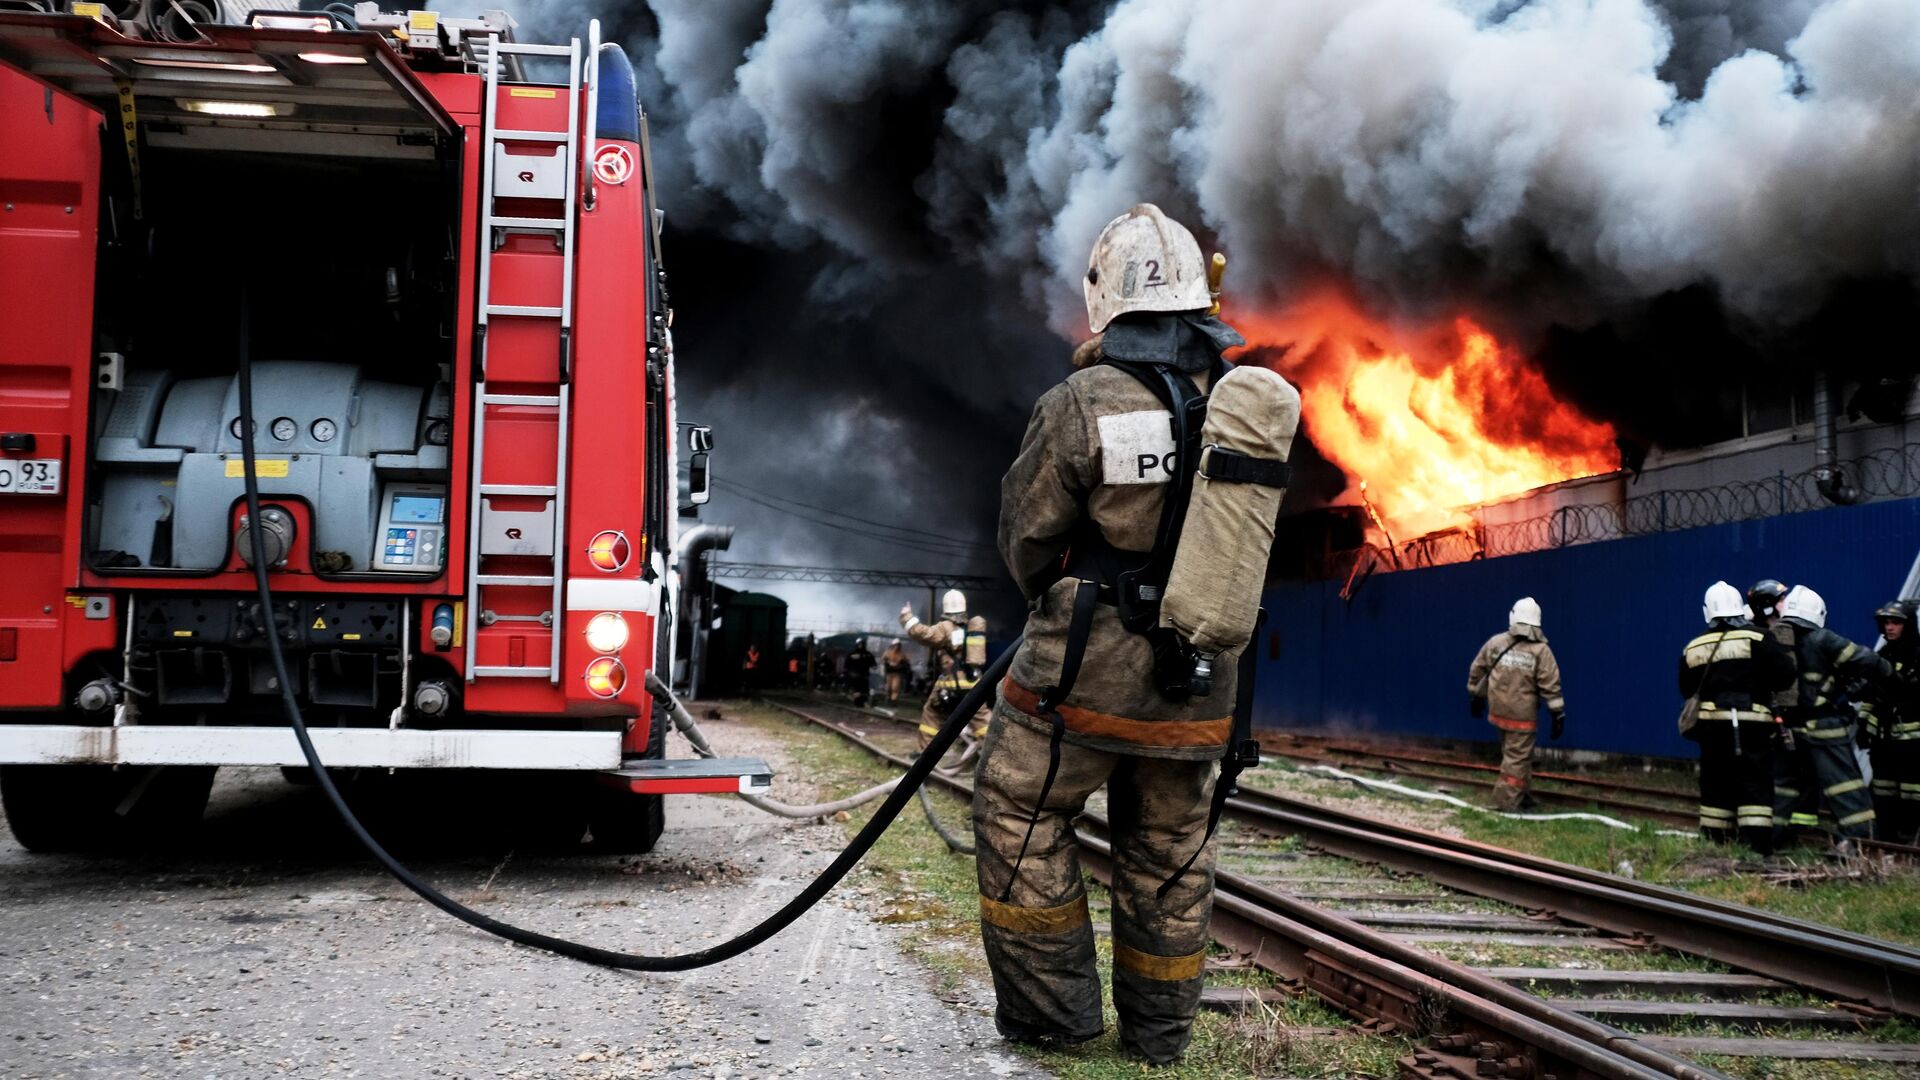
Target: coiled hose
[573,950]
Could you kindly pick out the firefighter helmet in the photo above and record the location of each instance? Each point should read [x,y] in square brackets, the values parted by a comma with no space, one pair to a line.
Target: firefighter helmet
[1144,261]
[1723,602]
[1895,609]
[1803,603]
[1526,612]
[953,603]
[1765,596]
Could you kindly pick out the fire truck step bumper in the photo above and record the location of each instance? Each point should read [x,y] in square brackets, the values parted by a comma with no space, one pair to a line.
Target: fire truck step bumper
[695,776]
[66,744]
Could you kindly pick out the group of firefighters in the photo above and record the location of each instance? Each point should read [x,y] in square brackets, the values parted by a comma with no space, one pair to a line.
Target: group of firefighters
[1790,717]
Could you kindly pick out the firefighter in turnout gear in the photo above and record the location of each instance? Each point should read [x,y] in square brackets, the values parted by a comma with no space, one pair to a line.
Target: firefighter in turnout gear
[1108,688]
[1729,676]
[956,654]
[1511,677]
[1893,724]
[1820,769]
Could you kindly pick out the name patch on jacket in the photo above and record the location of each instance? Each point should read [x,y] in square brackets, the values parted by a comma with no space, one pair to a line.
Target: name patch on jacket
[1136,447]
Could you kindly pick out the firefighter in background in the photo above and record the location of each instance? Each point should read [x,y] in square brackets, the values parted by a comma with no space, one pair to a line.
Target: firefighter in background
[1764,601]
[1083,704]
[859,667]
[1820,767]
[1729,676]
[1511,677]
[1893,723]
[897,667]
[750,668]
[956,654]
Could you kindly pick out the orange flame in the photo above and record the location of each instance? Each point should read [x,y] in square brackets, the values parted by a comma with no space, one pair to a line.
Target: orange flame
[1429,423]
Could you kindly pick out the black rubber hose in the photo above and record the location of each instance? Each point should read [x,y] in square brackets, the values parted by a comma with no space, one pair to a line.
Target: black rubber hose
[574,950]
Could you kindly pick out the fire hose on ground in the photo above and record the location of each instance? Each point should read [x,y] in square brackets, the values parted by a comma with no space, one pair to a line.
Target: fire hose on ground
[897,796]
[684,723]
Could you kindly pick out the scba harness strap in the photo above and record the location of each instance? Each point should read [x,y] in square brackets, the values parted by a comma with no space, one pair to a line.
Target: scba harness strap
[1134,584]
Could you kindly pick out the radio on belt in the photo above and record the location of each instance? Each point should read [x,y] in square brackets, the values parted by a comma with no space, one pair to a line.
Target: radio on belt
[412,535]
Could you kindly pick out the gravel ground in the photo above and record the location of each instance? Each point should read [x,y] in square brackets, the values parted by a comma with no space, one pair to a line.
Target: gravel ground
[270,946]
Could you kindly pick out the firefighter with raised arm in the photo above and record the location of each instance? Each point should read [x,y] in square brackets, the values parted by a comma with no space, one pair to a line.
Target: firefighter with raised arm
[1729,676]
[1821,768]
[956,654]
[1136,520]
[1510,678]
[1893,722]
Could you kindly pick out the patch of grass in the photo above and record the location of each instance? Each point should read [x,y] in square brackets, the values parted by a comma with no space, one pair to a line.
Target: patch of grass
[934,894]
[1781,1069]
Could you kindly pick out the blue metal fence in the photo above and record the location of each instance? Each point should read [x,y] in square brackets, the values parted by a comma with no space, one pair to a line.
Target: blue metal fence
[1395,659]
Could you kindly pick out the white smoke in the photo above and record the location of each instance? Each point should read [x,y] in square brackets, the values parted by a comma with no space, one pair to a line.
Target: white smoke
[1423,151]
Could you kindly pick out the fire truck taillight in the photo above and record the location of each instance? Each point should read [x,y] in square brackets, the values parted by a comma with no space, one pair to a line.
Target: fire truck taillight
[606,677]
[607,632]
[609,550]
[249,109]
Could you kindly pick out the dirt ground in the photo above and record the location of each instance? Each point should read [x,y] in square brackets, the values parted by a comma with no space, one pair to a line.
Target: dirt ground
[271,946]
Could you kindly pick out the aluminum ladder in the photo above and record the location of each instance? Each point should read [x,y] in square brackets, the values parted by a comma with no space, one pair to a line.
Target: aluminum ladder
[524,184]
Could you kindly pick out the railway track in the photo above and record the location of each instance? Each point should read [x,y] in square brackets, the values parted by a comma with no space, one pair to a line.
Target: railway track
[1511,965]
[1677,809]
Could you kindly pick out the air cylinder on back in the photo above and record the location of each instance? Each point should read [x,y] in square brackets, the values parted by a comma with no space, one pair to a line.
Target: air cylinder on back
[1213,592]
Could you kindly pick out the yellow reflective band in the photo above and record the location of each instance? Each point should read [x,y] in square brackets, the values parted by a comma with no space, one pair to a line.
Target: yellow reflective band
[1855,819]
[1845,786]
[1756,821]
[1715,812]
[1749,811]
[1846,653]
[1828,733]
[1786,793]
[1160,968]
[929,729]
[1804,819]
[1028,920]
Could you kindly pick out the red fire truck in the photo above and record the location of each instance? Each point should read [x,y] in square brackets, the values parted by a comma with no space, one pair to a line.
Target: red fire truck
[436,249]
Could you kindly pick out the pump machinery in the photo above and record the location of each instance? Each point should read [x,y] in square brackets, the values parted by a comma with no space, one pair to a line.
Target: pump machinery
[430,255]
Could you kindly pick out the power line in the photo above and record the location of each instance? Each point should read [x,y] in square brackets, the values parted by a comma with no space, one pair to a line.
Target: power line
[851,576]
[835,519]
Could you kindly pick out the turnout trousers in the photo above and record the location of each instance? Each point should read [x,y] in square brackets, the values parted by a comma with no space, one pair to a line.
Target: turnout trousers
[1736,781]
[1821,770]
[1896,786]
[1038,938]
[1515,783]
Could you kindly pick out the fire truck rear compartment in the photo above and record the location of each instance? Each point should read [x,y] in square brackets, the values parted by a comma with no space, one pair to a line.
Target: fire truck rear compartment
[344,267]
[211,651]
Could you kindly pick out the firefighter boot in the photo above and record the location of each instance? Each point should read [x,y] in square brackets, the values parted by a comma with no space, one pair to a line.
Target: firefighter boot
[1158,809]
[1033,922]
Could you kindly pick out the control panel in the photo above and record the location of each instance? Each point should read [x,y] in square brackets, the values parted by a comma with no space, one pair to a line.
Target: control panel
[413,528]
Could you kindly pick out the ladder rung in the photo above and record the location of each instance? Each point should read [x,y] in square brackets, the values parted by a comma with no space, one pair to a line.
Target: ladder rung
[524,312]
[490,672]
[542,580]
[548,400]
[543,223]
[523,135]
[515,48]
[517,489]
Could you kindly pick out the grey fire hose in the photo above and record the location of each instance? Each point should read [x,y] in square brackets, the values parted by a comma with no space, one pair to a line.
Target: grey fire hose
[726,950]
[684,723]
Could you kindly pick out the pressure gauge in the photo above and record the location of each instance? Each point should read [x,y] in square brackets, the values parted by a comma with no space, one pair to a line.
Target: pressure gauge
[284,428]
[239,430]
[324,430]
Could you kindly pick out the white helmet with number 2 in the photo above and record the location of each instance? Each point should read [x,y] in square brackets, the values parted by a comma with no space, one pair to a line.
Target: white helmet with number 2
[1723,601]
[953,603]
[1804,603]
[1144,261]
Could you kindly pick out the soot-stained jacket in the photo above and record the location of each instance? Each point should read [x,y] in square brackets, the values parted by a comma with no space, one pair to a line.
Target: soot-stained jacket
[1098,452]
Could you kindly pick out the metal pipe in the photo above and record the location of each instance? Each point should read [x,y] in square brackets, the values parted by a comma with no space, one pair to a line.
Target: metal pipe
[1829,476]
[695,605]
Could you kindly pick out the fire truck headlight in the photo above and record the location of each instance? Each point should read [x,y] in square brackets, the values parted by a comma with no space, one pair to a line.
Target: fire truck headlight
[609,550]
[606,677]
[607,632]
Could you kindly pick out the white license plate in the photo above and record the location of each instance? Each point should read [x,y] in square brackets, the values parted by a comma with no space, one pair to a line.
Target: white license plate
[29,476]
